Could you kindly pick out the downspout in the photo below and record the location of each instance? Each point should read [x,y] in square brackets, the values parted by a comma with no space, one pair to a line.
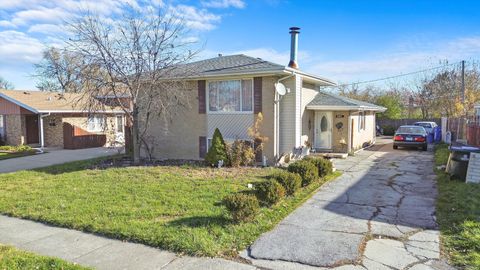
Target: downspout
[277,118]
[42,135]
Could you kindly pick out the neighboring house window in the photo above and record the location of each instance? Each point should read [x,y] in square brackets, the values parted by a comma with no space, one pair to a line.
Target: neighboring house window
[119,124]
[96,123]
[230,96]
[361,121]
[2,127]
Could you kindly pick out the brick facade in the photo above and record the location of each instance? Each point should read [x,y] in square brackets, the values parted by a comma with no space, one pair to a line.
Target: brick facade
[15,130]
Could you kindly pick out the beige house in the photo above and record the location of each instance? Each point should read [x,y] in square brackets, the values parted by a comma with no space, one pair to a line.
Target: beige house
[51,119]
[228,93]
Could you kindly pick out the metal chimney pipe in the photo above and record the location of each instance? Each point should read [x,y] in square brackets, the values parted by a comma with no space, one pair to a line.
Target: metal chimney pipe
[294,47]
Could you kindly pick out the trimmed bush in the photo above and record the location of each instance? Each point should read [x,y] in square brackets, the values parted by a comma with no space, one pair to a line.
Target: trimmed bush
[290,181]
[306,170]
[242,207]
[388,130]
[270,191]
[217,151]
[323,165]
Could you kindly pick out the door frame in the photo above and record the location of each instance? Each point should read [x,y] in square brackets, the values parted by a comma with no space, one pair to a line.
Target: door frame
[318,115]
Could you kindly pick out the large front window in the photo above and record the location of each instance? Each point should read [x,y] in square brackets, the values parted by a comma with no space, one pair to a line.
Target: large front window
[230,96]
[96,123]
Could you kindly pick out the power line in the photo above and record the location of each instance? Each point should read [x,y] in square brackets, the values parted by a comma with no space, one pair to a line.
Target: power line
[399,75]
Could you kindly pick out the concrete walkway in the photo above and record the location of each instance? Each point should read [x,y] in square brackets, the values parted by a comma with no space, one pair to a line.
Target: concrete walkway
[380,214]
[99,252]
[54,157]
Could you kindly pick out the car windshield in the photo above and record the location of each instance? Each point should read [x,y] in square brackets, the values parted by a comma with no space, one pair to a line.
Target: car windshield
[411,130]
[425,125]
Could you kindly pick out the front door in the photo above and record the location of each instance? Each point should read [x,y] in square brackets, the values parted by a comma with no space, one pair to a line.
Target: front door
[323,130]
[31,122]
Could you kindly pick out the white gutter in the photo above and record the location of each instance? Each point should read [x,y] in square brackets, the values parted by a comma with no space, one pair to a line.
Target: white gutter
[276,123]
[344,108]
[42,135]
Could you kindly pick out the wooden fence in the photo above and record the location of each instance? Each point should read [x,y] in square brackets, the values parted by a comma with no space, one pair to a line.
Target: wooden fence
[473,134]
[77,138]
[396,123]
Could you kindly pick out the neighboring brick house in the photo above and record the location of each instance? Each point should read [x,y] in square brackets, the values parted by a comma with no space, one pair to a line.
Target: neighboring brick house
[51,119]
[228,93]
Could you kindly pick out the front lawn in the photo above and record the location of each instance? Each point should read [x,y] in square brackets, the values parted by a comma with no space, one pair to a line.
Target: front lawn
[8,151]
[14,259]
[458,213]
[174,208]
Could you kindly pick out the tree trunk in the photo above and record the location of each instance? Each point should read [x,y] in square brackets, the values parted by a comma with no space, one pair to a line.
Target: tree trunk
[135,137]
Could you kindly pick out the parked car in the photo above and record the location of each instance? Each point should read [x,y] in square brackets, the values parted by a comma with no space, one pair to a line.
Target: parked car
[428,126]
[410,136]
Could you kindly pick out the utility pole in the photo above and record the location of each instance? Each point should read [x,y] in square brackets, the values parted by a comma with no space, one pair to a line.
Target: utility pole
[463,82]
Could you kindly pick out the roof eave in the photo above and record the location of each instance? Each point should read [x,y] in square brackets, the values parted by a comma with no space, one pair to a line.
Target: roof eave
[345,108]
[79,111]
[23,105]
[324,81]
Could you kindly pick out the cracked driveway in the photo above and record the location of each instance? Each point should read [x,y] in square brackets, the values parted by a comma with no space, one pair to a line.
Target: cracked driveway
[380,214]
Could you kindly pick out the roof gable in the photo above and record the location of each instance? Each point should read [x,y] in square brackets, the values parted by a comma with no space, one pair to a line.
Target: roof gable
[332,100]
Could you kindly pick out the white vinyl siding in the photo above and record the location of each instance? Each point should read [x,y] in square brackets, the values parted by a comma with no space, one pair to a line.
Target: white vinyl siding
[290,116]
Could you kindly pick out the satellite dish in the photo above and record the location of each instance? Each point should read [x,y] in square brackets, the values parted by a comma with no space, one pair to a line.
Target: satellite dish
[280,88]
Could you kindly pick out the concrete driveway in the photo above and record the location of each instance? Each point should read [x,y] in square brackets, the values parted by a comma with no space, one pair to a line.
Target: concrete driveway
[380,214]
[54,157]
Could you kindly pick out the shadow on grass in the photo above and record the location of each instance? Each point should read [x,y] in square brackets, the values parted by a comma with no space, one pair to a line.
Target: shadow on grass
[200,221]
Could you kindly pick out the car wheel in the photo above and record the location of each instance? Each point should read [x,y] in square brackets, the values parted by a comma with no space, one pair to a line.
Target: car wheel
[395,147]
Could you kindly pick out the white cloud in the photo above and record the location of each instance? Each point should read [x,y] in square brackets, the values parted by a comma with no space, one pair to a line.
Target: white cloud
[18,47]
[398,62]
[199,19]
[224,3]
[45,29]
[7,24]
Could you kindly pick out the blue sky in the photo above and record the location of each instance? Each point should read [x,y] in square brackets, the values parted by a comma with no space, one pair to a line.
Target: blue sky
[346,41]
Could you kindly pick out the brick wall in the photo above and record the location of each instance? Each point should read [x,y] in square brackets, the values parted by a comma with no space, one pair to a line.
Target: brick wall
[15,129]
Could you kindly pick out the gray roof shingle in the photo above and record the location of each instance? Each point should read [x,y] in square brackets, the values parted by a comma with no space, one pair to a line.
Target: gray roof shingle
[328,99]
[232,64]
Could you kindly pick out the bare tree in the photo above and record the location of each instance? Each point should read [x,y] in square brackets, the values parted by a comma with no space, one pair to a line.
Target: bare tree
[141,56]
[4,84]
[60,70]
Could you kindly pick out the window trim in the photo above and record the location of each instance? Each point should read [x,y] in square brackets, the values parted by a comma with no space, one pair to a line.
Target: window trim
[207,96]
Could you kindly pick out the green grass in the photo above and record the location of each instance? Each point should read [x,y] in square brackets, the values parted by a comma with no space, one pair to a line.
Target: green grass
[4,155]
[458,213]
[14,259]
[174,208]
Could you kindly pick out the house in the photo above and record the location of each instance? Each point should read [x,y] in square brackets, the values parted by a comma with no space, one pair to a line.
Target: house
[477,113]
[228,93]
[52,119]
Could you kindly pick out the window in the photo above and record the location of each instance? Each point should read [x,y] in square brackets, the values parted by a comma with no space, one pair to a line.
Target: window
[119,124]
[230,96]
[361,121]
[2,127]
[323,124]
[96,123]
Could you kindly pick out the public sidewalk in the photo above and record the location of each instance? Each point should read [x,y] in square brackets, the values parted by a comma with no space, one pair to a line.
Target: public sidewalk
[97,251]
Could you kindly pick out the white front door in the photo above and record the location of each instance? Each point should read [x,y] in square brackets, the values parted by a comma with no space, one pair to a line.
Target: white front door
[323,130]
